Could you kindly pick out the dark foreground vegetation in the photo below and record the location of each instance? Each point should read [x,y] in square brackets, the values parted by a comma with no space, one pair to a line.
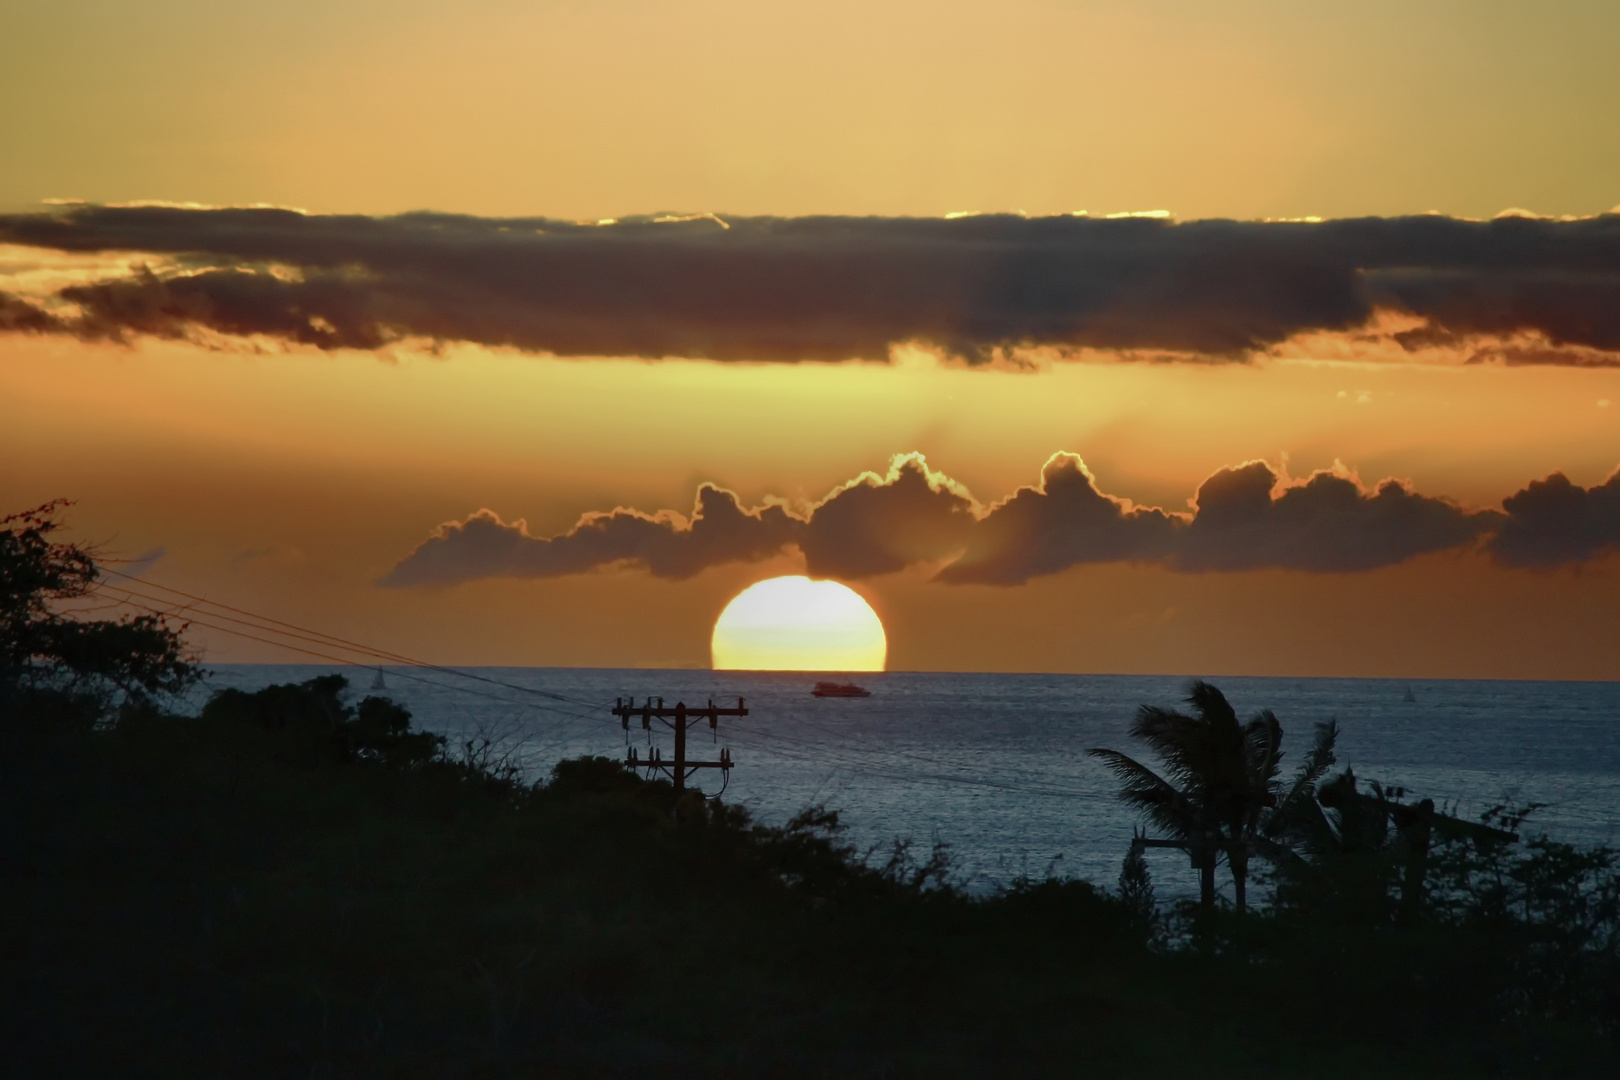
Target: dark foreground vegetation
[292,885]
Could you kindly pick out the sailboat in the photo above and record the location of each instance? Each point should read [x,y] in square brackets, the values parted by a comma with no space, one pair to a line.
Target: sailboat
[1408,697]
[377,681]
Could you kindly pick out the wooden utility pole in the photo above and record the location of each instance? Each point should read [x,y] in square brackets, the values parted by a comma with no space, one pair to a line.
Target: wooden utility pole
[1416,822]
[678,720]
[1203,851]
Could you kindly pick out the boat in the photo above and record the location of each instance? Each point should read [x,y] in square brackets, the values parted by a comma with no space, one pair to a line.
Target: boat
[1409,697]
[833,689]
[377,682]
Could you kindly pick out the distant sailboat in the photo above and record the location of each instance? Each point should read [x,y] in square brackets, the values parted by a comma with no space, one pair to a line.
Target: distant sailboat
[377,682]
[1408,696]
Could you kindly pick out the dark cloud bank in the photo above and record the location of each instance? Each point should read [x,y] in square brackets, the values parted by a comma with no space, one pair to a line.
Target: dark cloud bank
[1244,520]
[829,288]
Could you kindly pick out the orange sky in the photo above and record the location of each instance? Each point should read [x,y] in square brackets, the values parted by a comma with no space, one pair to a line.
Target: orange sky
[287,484]
[287,481]
[1246,107]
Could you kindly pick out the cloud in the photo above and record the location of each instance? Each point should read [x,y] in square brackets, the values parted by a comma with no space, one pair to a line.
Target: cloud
[19,316]
[1327,524]
[322,311]
[871,525]
[832,288]
[1061,522]
[665,544]
[1244,517]
[1554,522]
[876,525]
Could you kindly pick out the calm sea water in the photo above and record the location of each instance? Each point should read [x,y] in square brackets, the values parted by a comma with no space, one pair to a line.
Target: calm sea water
[995,765]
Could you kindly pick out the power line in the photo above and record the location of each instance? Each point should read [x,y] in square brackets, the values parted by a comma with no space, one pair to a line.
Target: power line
[892,751]
[316,638]
[332,639]
[910,774]
[347,661]
[781,743]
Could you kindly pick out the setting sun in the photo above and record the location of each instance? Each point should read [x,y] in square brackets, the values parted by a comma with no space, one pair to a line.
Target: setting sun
[795,624]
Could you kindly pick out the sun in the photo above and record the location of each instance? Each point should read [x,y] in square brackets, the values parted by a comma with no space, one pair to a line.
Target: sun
[795,624]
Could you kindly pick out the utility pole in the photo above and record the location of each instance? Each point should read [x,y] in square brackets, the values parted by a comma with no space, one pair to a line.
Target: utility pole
[1416,823]
[678,720]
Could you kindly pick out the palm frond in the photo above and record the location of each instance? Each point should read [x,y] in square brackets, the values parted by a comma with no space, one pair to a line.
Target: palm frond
[1275,853]
[1321,757]
[1149,792]
[1172,737]
[1195,753]
[1302,793]
[1262,744]
[1212,708]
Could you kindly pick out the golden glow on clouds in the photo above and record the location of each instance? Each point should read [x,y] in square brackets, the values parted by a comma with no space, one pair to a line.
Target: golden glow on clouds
[37,273]
[288,481]
[291,482]
[796,624]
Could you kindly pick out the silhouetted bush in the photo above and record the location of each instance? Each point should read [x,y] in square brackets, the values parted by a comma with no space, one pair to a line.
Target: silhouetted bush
[125,662]
[312,721]
[291,885]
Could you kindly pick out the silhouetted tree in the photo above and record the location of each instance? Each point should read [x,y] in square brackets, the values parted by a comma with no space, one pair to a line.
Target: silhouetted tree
[1297,810]
[41,647]
[312,720]
[1220,780]
[1136,883]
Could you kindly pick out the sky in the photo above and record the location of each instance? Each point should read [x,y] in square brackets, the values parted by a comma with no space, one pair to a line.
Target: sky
[1170,337]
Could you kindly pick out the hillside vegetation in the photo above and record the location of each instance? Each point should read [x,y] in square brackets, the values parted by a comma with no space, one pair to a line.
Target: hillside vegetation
[294,883]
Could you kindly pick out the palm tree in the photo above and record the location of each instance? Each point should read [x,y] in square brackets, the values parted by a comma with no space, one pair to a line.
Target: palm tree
[1297,810]
[1219,792]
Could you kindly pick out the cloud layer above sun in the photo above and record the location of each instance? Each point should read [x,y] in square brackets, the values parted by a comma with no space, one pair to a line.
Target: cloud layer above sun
[1246,517]
[1515,289]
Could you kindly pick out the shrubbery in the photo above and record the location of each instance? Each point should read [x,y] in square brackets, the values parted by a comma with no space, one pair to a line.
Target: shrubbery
[89,666]
[292,884]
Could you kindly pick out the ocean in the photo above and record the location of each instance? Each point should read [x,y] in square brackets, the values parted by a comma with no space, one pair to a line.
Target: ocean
[995,766]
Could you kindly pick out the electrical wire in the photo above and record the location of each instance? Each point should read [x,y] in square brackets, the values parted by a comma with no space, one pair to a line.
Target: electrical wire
[303,634]
[901,766]
[848,738]
[266,623]
[192,619]
[818,754]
